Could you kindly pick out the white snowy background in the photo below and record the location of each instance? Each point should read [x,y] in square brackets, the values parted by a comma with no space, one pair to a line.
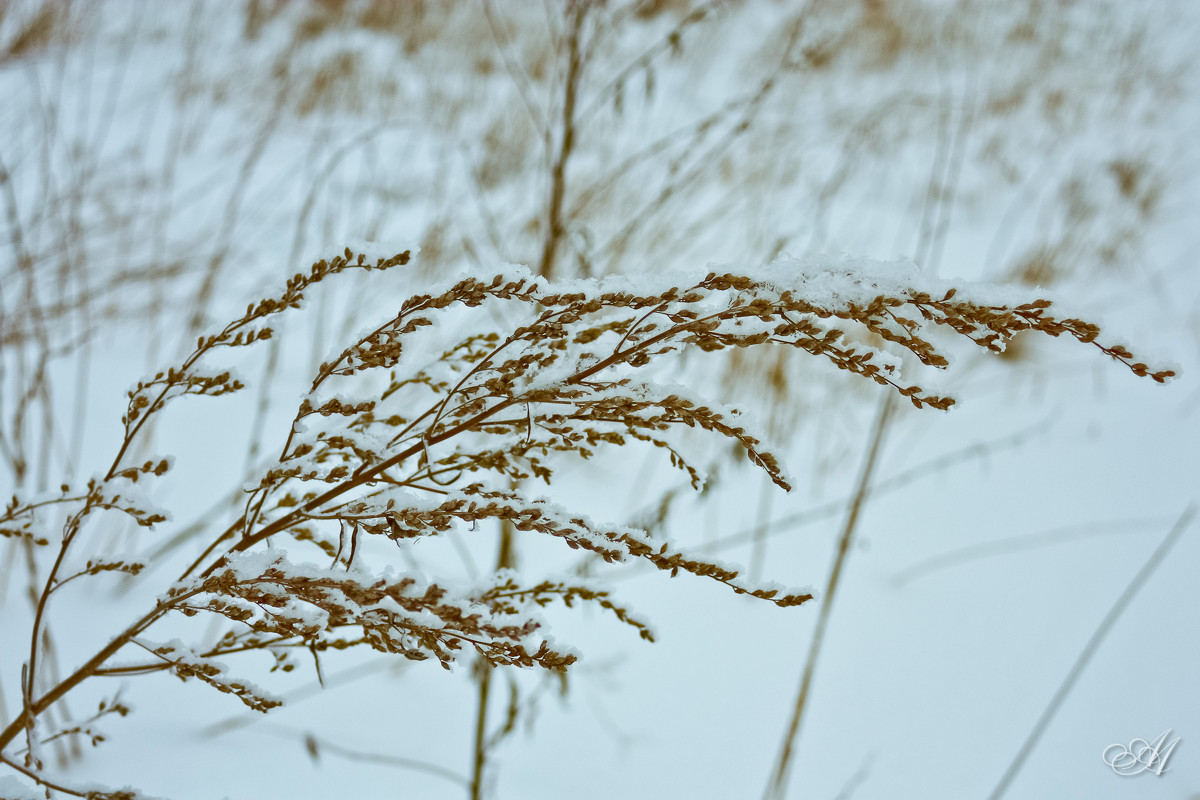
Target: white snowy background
[163,164]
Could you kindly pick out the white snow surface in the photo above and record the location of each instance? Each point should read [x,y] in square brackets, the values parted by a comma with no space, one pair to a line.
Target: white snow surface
[968,594]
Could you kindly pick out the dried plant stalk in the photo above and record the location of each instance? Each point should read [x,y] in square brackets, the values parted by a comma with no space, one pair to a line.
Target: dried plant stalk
[420,444]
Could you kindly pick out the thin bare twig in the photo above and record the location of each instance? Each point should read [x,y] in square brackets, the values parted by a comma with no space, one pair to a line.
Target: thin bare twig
[505,559]
[1017,544]
[1093,644]
[317,745]
[556,227]
[777,788]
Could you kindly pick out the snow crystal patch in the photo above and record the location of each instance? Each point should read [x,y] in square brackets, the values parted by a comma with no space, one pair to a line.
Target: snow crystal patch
[135,495]
[13,789]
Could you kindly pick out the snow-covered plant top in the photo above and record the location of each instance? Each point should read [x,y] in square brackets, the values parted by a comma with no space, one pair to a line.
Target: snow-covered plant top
[415,429]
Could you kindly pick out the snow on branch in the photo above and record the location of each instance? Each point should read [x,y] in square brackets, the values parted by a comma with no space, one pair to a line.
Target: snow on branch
[437,418]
